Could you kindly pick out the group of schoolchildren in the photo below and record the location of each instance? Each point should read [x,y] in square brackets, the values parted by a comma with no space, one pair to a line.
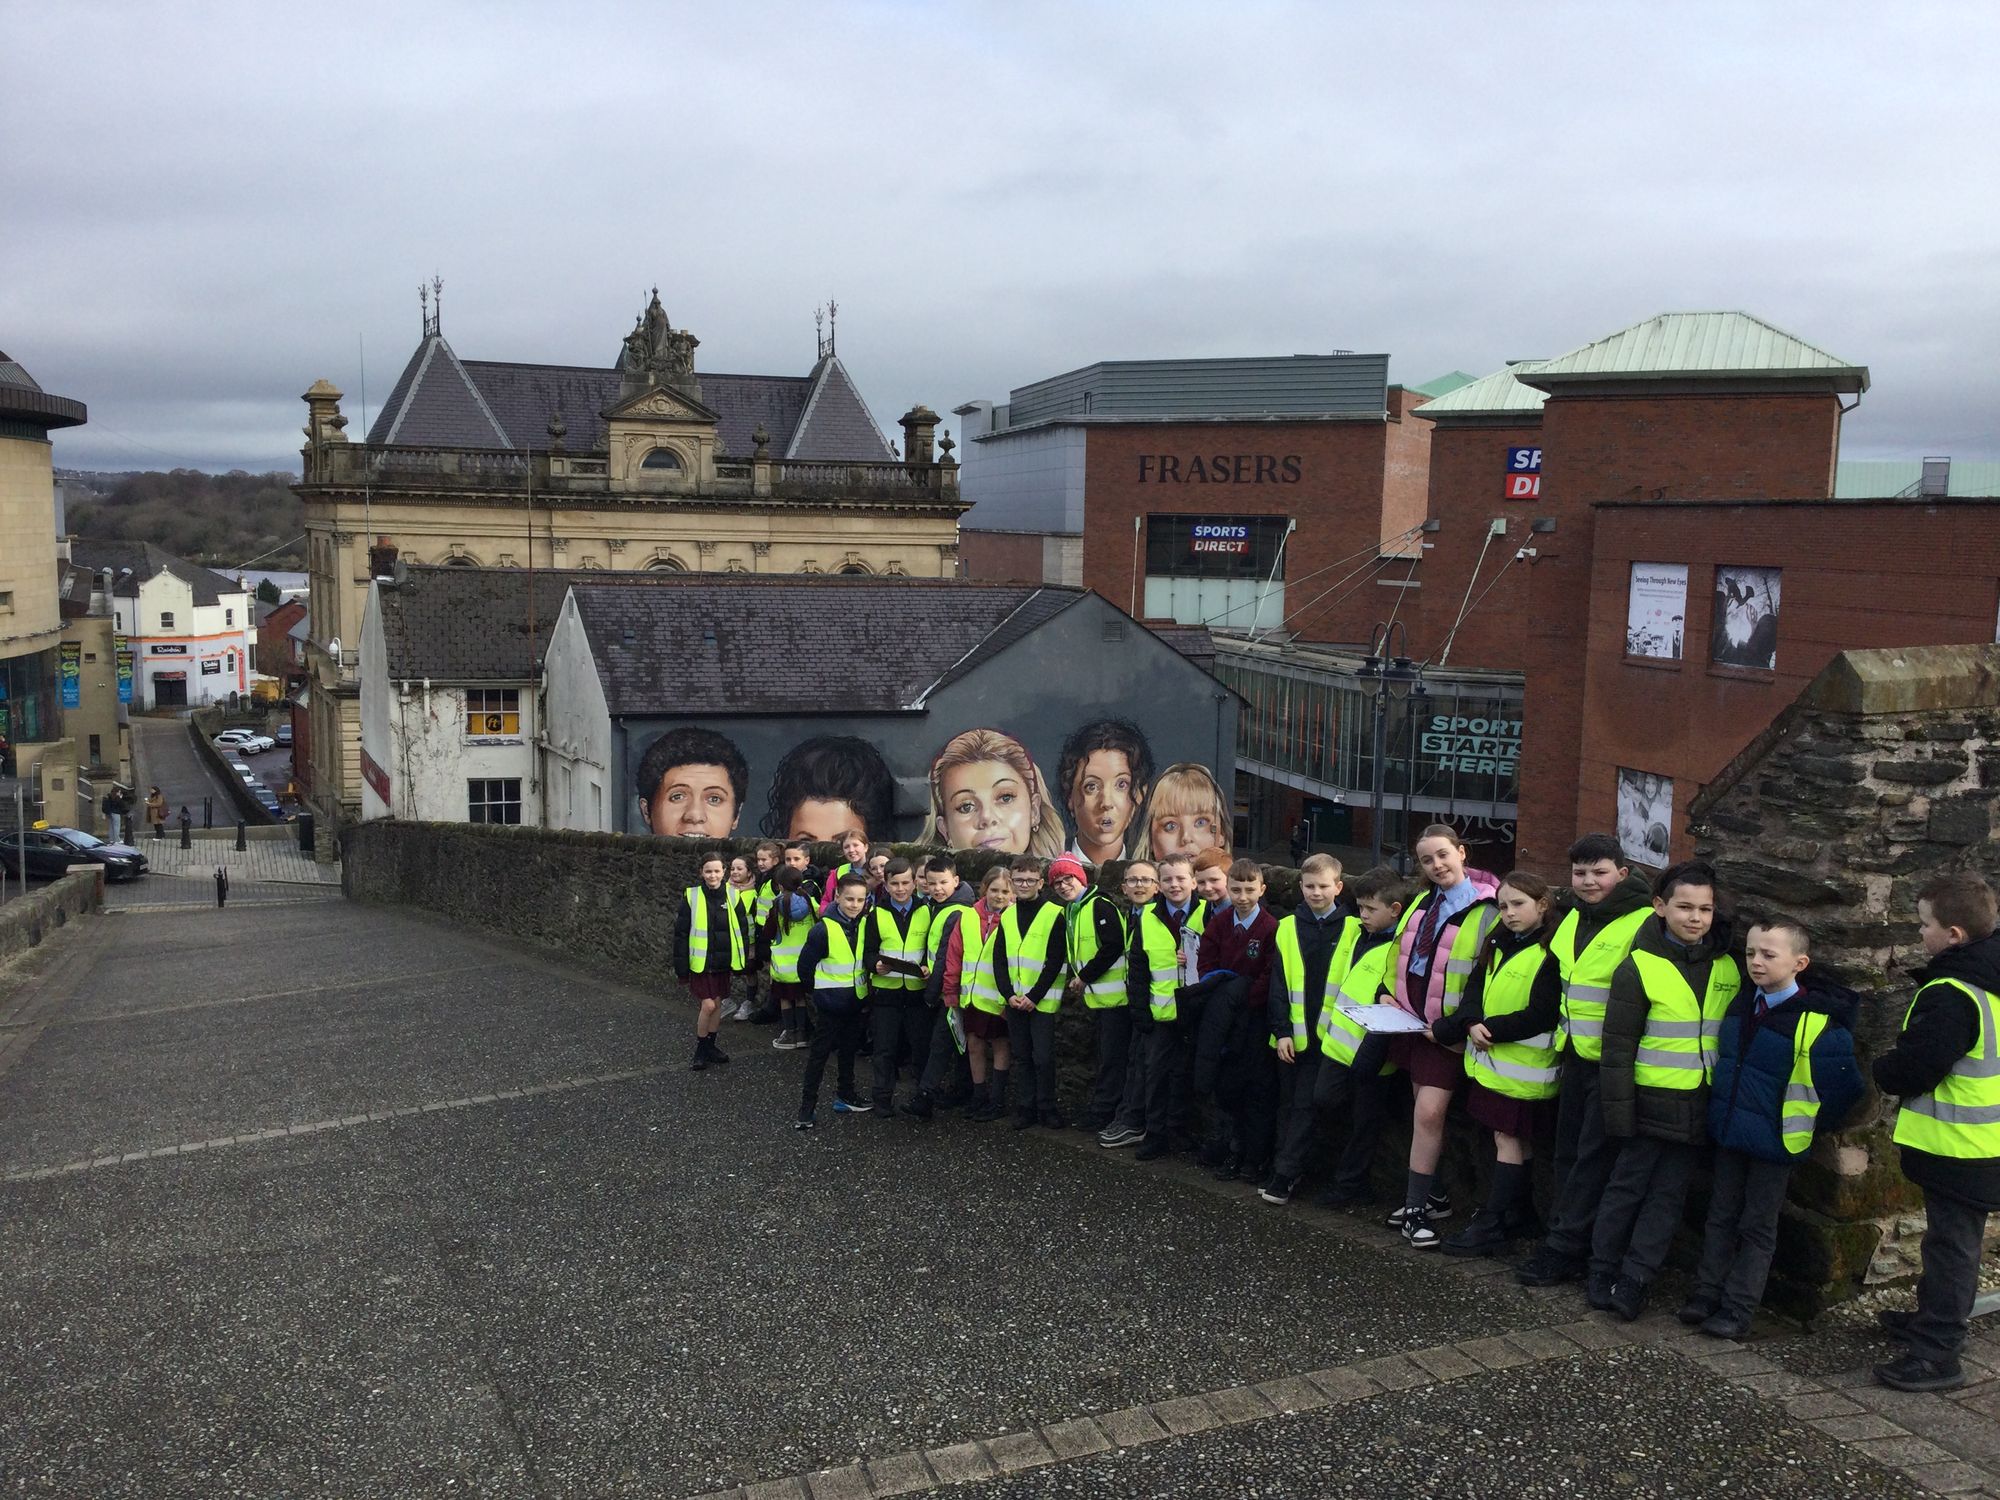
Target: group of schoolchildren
[1618,1007]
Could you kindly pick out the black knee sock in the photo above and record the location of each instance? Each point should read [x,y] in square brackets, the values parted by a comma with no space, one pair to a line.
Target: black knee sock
[1417,1189]
[1508,1176]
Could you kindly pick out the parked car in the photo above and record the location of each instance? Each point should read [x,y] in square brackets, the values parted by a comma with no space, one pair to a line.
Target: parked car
[245,741]
[285,735]
[234,737]
[51,851]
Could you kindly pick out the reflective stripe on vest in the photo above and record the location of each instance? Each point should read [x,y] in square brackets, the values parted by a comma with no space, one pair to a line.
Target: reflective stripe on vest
[695,895]
[1527,1069]
[1961,1117]
[1339,1034]
[1292,965]
[1107,991]
[905,944]
[1156,941]
[1587,975]
[1801,1107]
[788,945]
[1676,1045]
[767,896]
[1028,952]
[978,987]
[841,968]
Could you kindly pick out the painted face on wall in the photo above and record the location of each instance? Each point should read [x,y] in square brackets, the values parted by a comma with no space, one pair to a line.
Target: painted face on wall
[1186,833]
[1102,804]
[986,806]
[693,801]
[823,819]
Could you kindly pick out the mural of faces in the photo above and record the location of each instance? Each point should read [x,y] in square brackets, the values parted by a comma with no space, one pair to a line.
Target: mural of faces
[692,783]
[1186,814]
[986,793]
[829,784]
[1104,775]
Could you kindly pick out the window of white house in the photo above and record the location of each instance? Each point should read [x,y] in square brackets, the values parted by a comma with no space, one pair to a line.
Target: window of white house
[166,619]
[492,711]
[229,617]
[493,799]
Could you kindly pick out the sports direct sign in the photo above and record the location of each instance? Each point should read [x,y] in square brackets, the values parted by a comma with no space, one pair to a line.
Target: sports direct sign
[1524,473]
[1221,536]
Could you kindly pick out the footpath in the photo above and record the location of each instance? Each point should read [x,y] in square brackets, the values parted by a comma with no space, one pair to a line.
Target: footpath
[320,1197]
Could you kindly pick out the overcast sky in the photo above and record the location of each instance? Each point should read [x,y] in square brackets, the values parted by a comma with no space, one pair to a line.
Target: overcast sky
[206,208]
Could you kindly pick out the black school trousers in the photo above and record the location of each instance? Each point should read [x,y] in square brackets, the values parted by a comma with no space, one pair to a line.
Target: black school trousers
[838,1035]
[1741,1234]
[1585,1156]
[902,1020]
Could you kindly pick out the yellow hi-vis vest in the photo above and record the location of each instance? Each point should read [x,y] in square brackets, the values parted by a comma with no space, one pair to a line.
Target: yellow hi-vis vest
[1961,1116]
[698,955]
[1366,977]
[1292,967]
[978,985]
[1107,991]
[1801,1107]
[1162,954]
[767,895]
[789,944]
[1587,975]
[906,944]
[841,968]
[1028,952]
[1529,1068]
[1677,1045]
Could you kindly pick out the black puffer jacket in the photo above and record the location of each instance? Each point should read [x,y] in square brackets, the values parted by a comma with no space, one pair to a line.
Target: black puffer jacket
[1940,1029]
[1679,1115]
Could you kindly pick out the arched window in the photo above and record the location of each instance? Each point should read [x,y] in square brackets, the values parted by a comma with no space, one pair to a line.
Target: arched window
[661,458]
[666,565]
[853,568]
[460,561]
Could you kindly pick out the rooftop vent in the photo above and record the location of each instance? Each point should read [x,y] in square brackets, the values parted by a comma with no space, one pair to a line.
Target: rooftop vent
[1936,479]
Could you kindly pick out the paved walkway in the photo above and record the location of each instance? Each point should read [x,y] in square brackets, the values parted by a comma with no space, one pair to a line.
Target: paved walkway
[164,756]
[323,1198]
[265,859]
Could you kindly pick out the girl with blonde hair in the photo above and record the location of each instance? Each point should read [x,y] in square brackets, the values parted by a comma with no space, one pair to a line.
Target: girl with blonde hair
[1185,815]
[987,793]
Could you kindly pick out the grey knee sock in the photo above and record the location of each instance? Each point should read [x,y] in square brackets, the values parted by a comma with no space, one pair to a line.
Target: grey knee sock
[1418,1189]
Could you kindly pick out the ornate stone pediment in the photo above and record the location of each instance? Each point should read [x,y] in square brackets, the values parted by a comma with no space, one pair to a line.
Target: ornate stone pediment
[660,406]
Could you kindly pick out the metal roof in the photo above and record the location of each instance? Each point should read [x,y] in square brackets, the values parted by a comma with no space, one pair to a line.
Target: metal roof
[1444,385]
[1874,479]
[1498,394]
[1699,345]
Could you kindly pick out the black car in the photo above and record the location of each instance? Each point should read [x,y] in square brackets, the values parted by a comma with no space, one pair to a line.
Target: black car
[51,851]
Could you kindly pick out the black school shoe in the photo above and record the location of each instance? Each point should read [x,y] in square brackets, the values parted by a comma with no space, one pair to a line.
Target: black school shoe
[1279,1190]
[1911,1373]
[1597,1288]
[1725,1324]
[1547,1267]
[1628,1298]
[1697,1310]
[1484,1234]
[1152,1148]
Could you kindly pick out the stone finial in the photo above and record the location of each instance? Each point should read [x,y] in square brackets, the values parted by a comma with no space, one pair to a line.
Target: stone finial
[760,439]
[945,447]
[324,423]
[558,429]
[919,426]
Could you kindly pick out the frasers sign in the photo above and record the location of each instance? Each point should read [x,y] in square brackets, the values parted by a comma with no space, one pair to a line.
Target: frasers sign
[1220,468]
[1472,747]
[1220,536]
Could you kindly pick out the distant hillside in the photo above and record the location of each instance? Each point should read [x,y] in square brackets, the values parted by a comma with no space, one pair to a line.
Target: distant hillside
[217,519]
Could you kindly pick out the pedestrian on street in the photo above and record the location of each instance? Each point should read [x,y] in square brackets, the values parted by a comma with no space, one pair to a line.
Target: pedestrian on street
[156,813]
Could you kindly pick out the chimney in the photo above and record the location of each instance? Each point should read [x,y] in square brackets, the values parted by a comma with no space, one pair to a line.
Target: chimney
[100,592]
[919,434]
[382,559]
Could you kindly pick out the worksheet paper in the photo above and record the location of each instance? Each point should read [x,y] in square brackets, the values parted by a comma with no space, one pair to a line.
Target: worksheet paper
[1388,1019]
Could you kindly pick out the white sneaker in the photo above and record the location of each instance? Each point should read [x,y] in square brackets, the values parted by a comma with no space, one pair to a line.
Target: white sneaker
[741,1013]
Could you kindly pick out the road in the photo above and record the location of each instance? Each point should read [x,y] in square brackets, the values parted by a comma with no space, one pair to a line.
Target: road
[318,1197]
[165,757]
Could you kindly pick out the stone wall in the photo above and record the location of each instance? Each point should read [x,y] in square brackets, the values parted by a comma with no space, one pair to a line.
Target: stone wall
[1883,773]
[24,922]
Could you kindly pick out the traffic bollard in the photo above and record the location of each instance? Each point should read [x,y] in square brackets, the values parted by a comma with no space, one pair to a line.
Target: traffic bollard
[208,812]
[241,845]
[187,830]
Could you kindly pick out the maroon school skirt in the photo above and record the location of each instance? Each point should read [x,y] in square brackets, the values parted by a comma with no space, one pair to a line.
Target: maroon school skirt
[1429,1065]
[787,992]
[984,1024]
[1498,1112]
[713,985]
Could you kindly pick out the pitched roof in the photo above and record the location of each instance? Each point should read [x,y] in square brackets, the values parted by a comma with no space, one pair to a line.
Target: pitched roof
[444,401]
[146,563]
[456,624]
[720,643]
[1878,479]
[835,423]
[1702,345]
[1443,385]
[1498,394]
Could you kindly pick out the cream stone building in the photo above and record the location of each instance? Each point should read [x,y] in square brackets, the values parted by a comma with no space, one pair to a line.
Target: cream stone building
[31,624]
[641,464]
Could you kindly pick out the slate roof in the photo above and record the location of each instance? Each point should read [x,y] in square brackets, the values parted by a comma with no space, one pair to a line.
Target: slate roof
[441,400]
[456,625]
[147,562]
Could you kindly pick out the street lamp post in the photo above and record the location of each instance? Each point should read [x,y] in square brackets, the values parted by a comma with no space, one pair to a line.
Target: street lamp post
[1394,675]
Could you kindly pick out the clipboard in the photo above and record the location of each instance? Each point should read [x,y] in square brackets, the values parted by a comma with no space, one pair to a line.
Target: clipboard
[1385,1020]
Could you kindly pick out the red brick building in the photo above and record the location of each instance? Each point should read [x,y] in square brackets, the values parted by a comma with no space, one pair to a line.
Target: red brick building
[1235,493]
